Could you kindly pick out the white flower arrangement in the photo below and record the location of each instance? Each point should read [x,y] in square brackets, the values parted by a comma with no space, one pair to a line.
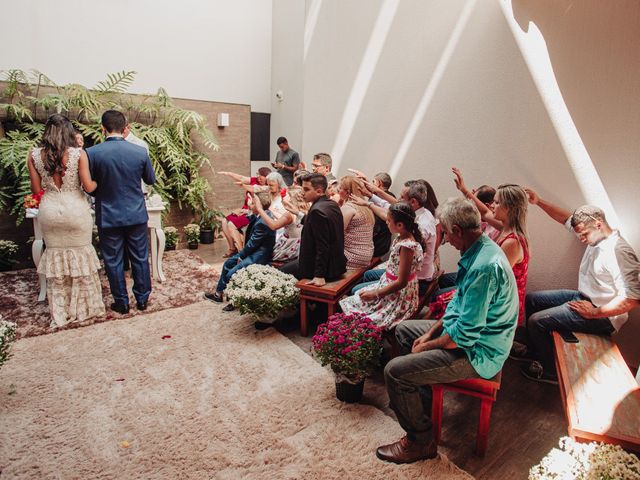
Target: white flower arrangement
[8,250]
[192,231]
[262,291]
[7,336]
[586,461]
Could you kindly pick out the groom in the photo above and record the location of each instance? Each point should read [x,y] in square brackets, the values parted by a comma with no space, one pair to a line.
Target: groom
[121,215]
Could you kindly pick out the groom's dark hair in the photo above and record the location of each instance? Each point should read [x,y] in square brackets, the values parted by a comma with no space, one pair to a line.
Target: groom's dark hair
[114,121]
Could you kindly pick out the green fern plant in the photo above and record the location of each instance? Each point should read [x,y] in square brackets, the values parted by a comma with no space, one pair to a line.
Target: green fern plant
[29,98]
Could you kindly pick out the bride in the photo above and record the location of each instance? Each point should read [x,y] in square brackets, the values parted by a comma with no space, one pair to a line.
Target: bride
[69,261]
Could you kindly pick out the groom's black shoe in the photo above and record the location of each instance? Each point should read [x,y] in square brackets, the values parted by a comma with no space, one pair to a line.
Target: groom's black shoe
[229,308]
[141,305]
[120,308]
[214,297]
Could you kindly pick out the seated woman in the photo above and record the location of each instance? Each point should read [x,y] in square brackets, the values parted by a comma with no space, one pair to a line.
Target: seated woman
[394,297]
[288,226]
[258,248]
[358,224]
[510,218]
[237,219]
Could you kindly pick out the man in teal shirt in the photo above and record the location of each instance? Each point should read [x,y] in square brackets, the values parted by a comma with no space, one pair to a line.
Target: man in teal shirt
[472,340]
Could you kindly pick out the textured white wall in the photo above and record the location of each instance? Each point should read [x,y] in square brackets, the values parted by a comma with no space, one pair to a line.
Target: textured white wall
[205,50]
[419,86]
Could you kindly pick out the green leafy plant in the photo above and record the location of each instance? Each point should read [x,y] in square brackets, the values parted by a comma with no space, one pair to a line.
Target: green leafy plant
[350,344]
[262,291]
[210,218]
[192,232]
[171,236]
[8,251]
[29,98]
[7,336]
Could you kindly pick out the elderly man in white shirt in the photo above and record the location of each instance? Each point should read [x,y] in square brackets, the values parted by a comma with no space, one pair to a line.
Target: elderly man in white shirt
[415,194]
[608,288]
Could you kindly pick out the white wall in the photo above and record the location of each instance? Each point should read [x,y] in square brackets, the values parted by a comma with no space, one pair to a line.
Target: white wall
[205,50]
[418,86]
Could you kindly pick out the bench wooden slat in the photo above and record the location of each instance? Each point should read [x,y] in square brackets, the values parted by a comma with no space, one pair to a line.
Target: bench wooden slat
[600,395]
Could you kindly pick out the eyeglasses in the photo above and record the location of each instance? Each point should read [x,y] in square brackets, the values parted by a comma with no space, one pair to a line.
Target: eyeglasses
[316,165]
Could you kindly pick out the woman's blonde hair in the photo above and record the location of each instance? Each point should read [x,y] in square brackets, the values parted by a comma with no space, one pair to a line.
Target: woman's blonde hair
[355,187]
[515,200]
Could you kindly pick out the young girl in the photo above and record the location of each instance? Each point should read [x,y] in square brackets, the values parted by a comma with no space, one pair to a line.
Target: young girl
[394,297]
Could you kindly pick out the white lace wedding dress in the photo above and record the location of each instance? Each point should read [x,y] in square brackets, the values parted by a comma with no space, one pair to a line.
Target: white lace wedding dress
[69,261]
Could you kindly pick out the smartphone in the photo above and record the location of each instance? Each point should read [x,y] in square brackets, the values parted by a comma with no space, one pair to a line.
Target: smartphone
[568,336]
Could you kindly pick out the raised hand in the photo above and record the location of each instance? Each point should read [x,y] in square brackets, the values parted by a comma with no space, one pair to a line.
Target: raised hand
[358,200]
[459,181]
[532,195]
[357,173]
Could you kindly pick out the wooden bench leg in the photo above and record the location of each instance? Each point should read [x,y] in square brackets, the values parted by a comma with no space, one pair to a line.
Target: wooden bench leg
[304,326]
[483,426]
[436,412]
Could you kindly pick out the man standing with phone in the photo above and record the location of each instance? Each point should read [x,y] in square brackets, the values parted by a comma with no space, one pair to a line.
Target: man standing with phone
[287,161]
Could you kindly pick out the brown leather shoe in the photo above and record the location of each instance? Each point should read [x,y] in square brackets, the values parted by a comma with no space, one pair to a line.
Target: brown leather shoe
[406,451]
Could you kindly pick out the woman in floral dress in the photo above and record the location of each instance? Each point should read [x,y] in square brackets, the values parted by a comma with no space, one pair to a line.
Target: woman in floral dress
[394,297]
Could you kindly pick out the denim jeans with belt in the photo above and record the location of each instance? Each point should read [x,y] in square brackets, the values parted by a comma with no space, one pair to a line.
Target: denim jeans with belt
[408,378]
[547,311]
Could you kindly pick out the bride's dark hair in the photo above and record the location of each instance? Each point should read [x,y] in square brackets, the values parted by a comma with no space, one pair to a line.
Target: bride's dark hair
[59,134]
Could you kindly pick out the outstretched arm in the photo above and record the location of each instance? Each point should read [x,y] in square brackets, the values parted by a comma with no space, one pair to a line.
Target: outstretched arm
[34,176]
[88,184]
[236,177]
[559,214]
[485,212]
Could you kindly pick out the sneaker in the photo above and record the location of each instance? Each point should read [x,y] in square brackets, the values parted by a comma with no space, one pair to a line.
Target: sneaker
[535,372]
[520,353]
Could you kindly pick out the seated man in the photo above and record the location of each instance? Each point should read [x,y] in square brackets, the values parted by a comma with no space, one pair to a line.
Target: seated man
[608,287]
[321,257]
[258,248]
[472,339]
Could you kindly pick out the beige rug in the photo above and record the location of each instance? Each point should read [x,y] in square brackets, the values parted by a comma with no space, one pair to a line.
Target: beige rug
[191,392]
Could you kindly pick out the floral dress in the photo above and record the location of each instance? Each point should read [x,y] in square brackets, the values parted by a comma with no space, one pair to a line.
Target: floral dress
[389,310]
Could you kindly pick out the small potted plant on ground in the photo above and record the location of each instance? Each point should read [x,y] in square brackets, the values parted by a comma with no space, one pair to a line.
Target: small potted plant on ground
[192,231]
[171,237]
[263,291]
[7,336]
[351,345]
[209,221]
[8,251]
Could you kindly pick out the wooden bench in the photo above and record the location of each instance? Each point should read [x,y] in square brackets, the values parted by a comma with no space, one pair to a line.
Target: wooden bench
[485,390]
[330,293]
[600,395]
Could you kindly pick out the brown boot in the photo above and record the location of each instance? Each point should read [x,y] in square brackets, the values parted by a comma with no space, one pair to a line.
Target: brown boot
[406,451]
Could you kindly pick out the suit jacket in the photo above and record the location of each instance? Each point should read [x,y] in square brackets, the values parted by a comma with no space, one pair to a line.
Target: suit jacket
[259,243]
[119,166]
[322,242]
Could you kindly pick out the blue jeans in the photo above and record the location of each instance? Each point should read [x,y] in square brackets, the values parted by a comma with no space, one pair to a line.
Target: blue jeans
[547,311]
[230,267]
[408,378]
[113,243]
[370,277]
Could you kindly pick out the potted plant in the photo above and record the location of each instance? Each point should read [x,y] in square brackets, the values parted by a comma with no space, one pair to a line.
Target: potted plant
[7,336]
[351,345]
[209,221]
[170,237]
[8,251]
[263,291]
[586,460]
[192,231]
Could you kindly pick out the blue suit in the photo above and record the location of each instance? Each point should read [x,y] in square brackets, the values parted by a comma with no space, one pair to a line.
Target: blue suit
[258,249]
[121,215]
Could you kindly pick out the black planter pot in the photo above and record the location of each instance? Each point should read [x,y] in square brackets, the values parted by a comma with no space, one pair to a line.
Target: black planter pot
[206,236]
[349,392]
[170,247]
[193,246]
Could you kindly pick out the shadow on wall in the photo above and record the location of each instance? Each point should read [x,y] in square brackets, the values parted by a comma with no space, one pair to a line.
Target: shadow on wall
[594,50]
